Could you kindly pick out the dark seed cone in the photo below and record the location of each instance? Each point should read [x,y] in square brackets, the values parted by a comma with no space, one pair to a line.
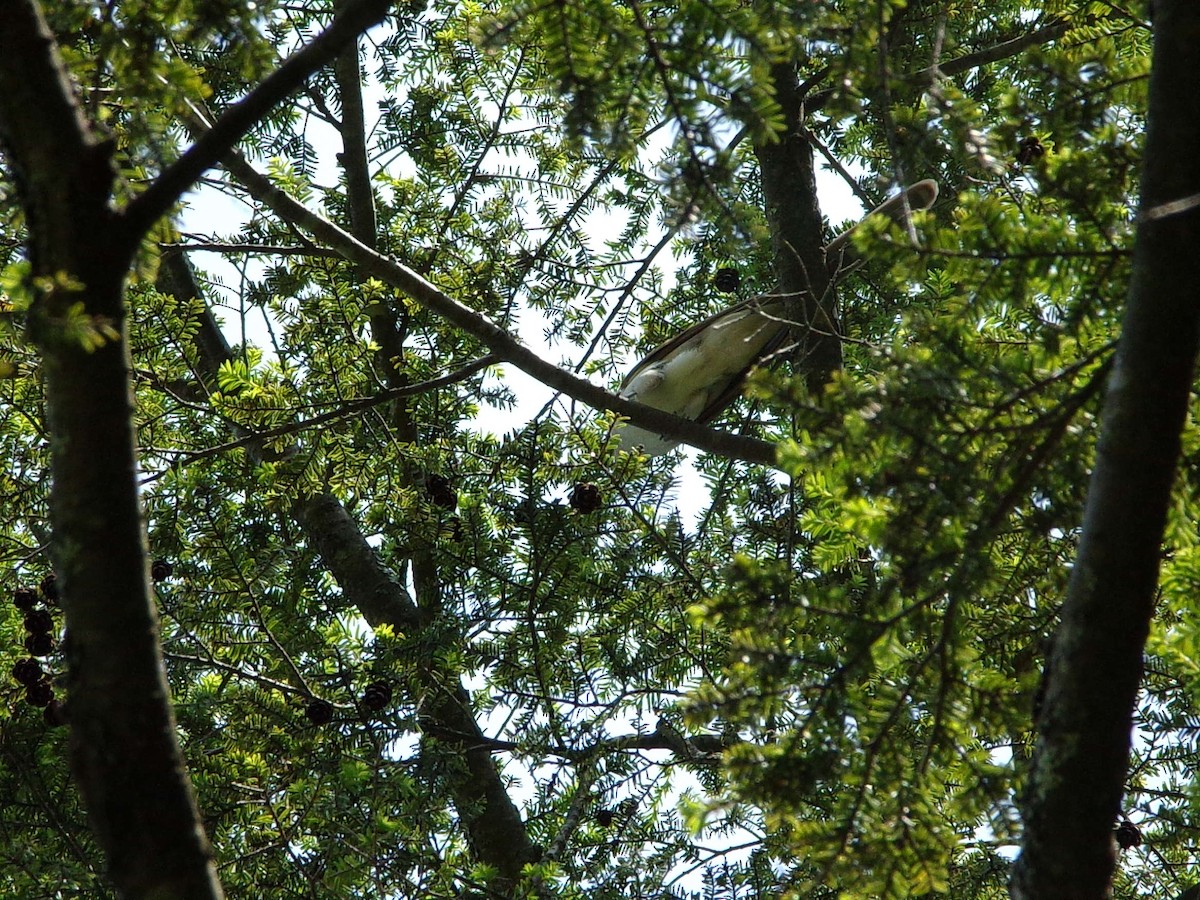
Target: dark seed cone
[55,714]
[49,587]
[25,598]
[39,644]
[38,621]
[39,694]
[377,695]
[27,672]
[586,497]
[1029,150]
[441,491]
[1128,835]
[319,712]
[727,280]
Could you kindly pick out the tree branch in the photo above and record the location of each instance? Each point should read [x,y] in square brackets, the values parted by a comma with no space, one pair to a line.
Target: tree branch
[1083,738]
[1047,34]
[344,410]
[373,588]
[355,17]
[125,755]
[499,341]
[200,244]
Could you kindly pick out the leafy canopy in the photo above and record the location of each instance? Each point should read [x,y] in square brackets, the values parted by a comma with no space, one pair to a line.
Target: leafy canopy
[731,683]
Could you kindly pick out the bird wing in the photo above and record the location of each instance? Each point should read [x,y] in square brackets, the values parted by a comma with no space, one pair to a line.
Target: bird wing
[918,196]
[733,385]
[700,371]
[665,349]
[679,377]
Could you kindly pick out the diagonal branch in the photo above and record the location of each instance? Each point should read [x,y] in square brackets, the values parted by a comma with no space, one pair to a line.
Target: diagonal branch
[343,411]
[496,339]
[350,21]
[1047,34]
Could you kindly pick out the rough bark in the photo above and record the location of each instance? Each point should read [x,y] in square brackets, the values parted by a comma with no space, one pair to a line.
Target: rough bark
[1082,752]
[797,242]
[125,756]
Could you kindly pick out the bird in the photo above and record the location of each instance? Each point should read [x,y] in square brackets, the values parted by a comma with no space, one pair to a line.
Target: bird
[700,371]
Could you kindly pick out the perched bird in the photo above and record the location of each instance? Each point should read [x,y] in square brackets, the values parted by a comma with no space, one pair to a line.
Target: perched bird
[700,371]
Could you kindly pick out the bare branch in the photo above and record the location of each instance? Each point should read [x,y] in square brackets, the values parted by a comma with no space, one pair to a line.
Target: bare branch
[198,244]
[350,21]
[344,410]
[1047,34]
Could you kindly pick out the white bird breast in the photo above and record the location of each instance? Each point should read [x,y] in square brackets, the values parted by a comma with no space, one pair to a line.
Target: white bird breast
[688,378]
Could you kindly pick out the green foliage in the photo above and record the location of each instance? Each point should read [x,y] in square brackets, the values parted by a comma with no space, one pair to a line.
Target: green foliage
[862,634]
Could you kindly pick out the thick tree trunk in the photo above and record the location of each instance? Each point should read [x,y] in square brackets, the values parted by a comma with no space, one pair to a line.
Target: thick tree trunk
[1080,763]
[125,756]
[794,217]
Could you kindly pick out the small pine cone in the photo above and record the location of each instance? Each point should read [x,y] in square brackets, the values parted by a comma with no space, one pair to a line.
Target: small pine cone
[319,712]
[161,570]
[39,621]
[25,598]
[1128,835]
[377,695]
[49,587]
[727,280]
[27,672]
[441,491]
[55,714]
[39,644]
[39,694]
[1029,150]
[585,497]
